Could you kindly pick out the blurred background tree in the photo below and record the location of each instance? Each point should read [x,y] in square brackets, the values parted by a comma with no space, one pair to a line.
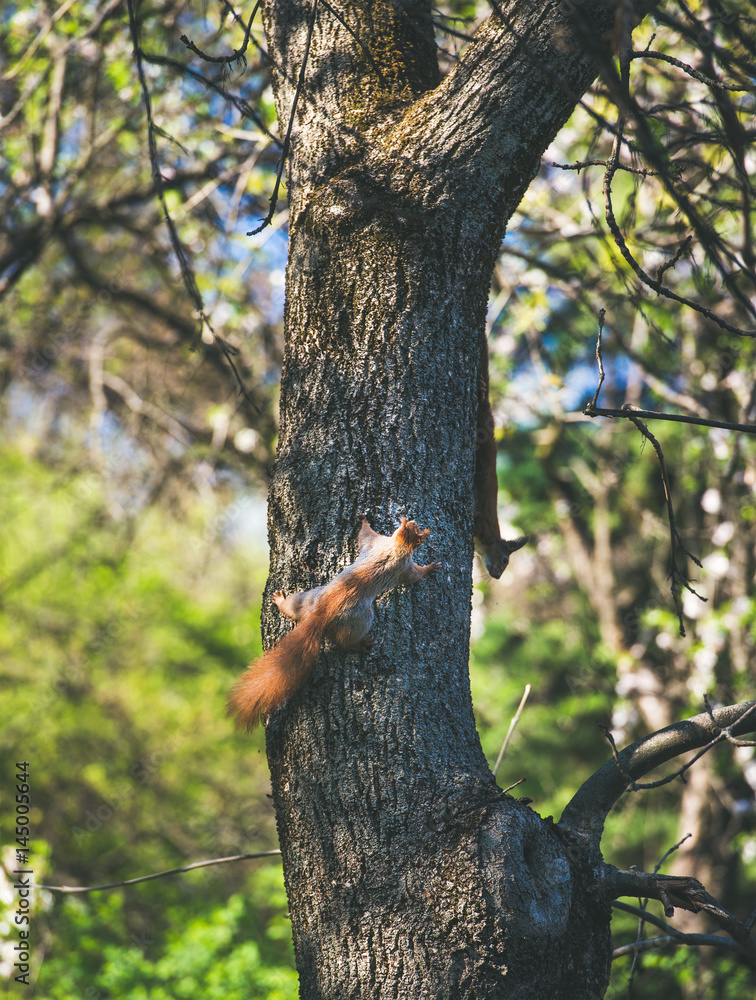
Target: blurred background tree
[132,555]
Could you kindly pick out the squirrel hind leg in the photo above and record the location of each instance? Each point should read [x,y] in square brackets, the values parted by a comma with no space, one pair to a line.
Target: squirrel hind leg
[366,535]
[363,645]
[351,632]
[288,606]
[295,606]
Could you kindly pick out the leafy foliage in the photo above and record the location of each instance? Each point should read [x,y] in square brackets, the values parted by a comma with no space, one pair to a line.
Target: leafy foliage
[235,949]
[118,642]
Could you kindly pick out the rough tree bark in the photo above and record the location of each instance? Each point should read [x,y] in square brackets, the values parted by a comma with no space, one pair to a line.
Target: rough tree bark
[409,873]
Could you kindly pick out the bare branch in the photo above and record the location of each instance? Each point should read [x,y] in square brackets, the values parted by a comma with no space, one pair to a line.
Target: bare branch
[671,850]
[242,106]
[645,917]
[736,88]
[237,54]
[287,138]
[694,940]
[681,892]
[599,359]
[645,278]
[682,251]
[512,724]
[627,408]
[727,732]
[582,164]
[677,576]
[635,786]
[588,809]
[187,272]
[170,871]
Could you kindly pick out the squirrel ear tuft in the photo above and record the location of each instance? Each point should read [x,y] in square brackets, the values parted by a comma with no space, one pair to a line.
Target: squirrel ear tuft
[512,546]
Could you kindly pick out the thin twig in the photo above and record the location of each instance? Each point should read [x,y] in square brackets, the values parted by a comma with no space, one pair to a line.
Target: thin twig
[599,359]
[187,272]
[677,576]
[727,731]
[149,878]
[628,408]
[242,106]
[685,893]
[619,240]
[672,849]
[736,88]
[446,30]
[287,138]
[629,103]
[644,916]
[512,724]
[676,939]
[236,54]
[682,250]
[582,164]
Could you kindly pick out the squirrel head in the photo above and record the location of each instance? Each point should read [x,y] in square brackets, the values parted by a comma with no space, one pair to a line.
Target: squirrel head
[496,556]
[408,533]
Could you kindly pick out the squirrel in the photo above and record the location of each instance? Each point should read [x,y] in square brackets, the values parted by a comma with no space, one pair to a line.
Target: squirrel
[341,610]
[493,549]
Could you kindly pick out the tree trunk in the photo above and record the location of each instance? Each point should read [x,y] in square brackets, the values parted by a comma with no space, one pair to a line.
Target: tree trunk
[409,873]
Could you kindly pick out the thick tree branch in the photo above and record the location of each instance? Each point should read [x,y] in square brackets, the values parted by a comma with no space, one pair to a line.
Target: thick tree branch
[365,62]
[377,118]
[515,86]
[589,807]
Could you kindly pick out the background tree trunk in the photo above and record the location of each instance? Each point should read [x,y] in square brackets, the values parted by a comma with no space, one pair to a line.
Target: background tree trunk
[409,874]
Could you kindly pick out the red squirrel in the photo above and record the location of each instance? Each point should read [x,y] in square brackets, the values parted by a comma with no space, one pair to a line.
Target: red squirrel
[493,549]
[341,611]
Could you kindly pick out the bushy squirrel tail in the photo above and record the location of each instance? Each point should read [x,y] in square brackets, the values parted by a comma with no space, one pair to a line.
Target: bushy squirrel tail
[271,680]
